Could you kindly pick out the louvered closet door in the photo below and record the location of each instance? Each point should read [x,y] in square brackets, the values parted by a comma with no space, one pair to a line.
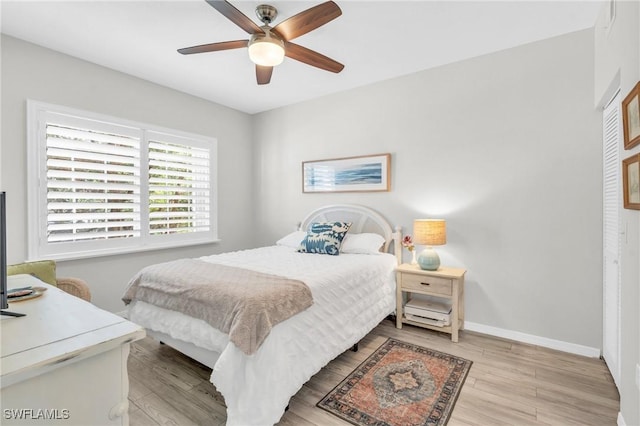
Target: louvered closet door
[611,236]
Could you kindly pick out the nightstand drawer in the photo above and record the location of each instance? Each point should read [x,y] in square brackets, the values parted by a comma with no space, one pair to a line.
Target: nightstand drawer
[425,283]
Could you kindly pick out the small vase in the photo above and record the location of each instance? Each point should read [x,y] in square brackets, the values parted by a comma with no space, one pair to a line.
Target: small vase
[413,258]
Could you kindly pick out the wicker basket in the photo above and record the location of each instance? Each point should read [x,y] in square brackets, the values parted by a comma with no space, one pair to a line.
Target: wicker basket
[75,286]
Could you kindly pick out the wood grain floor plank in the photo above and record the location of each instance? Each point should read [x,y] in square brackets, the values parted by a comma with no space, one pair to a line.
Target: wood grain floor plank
[161,412]
[466,415]
[139,417]
[137,388]
[591,384]
[304,405]
[537,358]
[563,401]
[562,415]
[292,419]
[196,409]
[504,387]
[207,394]
[510,383]
[173,394]
[518,410]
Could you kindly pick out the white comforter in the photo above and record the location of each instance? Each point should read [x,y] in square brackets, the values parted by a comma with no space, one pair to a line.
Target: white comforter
[352,293]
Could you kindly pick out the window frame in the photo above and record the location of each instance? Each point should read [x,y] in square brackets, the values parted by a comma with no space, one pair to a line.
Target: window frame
[38,246]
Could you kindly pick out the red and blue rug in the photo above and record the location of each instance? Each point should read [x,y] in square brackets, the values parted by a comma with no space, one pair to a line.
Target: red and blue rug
[400,384]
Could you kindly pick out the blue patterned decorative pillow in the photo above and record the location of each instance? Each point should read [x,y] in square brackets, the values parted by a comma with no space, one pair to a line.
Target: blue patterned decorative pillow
[324,238]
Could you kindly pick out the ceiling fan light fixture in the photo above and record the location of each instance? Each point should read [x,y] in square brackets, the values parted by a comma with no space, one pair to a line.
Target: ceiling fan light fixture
[266,50]
[268,45]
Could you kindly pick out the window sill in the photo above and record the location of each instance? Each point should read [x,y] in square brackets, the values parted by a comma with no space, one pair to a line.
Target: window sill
[126,250]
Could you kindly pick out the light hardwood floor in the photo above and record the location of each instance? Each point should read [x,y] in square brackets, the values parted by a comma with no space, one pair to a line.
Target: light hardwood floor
[510,383]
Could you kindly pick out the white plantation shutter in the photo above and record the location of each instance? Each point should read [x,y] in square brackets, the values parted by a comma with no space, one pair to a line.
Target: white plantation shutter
[100,185]
[179,187]
[93,184]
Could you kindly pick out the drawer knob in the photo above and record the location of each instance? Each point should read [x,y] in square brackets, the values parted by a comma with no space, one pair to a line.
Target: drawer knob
[425,283]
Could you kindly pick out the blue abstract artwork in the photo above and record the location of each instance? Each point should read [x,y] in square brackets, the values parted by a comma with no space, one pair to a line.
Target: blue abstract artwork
[370,173]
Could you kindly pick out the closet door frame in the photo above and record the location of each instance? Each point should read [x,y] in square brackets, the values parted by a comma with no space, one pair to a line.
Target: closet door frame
[611,232]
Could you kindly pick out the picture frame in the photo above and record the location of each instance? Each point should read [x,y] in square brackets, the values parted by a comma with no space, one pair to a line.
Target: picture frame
[631,182]
[631,118]
[349,174]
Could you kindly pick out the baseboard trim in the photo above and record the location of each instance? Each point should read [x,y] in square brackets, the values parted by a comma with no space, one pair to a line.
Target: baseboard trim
[534,340]
[621,421]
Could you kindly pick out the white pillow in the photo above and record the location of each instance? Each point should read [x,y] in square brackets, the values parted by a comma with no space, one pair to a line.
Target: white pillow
[365,243]
[292,240]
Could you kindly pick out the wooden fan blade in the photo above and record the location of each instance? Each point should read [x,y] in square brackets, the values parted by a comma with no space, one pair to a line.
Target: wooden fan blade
[308,20]
[235,16]
[214,47]
[263,74]
[310,57]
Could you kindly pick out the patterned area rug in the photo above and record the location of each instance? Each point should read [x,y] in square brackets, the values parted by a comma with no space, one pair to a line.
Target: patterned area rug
[400,384]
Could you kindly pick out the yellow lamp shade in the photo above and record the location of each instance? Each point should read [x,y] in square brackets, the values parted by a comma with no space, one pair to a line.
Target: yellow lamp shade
[429,232]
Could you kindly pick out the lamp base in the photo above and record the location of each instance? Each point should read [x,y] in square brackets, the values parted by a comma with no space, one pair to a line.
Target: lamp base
[429,260]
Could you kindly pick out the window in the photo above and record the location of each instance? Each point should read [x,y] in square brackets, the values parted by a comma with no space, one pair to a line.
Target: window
[101,185]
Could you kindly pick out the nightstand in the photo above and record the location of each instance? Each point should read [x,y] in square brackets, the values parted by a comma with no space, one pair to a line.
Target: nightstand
[446,283]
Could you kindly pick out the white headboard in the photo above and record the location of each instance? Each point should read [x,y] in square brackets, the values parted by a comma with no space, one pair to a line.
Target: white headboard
[363,219]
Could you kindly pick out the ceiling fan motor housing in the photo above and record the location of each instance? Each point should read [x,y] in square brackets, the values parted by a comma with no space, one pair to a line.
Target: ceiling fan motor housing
[266,13]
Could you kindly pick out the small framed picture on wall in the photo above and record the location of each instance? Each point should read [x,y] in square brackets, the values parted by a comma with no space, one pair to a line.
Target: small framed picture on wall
[631,118]
[631,182]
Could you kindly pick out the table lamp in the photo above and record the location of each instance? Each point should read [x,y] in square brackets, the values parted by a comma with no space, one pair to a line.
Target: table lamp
[429,232]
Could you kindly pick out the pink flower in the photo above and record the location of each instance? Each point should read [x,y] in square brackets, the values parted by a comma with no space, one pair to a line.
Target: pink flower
[408,242]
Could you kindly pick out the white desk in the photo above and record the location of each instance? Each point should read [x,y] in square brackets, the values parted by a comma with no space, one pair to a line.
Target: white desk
[65,362]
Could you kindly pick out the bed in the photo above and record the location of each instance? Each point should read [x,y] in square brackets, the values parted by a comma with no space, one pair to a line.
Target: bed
[352,293]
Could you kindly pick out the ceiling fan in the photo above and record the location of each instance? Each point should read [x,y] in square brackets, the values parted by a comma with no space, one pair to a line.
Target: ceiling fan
[269,45]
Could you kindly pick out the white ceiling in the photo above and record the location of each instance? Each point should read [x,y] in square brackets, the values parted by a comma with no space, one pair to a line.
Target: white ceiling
[376,40]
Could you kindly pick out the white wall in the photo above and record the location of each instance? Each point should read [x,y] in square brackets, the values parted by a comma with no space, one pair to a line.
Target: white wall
[617,65]
[506,147]
[33,72]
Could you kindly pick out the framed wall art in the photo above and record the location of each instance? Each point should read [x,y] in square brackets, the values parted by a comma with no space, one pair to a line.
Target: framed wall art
[350,174]
[631,182]
[631,118]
